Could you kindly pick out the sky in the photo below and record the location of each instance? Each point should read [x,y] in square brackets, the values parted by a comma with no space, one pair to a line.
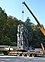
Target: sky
[15,7]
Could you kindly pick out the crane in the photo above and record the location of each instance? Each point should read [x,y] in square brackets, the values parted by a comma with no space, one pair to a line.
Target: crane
[40,27]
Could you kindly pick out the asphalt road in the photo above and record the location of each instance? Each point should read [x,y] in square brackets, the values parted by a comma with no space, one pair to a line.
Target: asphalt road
[21,59]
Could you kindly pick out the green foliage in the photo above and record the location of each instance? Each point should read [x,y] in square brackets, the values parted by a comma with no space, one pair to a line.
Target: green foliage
[3,18]
[6,41]
[28,25]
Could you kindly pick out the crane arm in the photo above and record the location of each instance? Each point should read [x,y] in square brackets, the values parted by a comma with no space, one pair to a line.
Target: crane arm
[42,30]
[40,27]
[31,13]
[42,48]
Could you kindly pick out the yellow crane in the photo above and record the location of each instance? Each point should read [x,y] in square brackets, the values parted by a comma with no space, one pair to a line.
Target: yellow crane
[40,27]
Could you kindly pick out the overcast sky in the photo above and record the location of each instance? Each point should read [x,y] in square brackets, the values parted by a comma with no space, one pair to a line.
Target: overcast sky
[15,7]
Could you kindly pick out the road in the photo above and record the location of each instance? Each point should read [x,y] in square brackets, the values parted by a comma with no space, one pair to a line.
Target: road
[21,59]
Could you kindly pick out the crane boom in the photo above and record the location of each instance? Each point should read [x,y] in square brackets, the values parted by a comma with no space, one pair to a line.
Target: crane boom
[40,27]
[31,13]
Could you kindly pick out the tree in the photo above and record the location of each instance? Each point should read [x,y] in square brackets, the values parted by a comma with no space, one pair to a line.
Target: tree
[6,41]
[3,20]
[28,25]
